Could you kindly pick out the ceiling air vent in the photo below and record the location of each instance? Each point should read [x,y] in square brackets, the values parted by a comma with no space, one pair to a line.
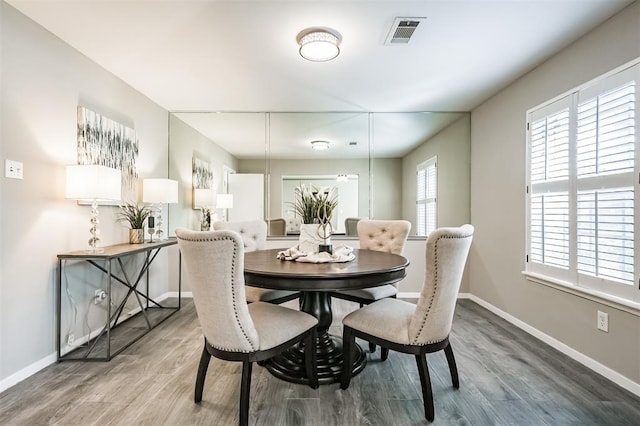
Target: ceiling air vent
[402,30]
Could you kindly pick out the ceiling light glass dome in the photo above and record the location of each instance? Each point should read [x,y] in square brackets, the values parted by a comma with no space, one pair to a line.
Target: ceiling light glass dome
[319,44]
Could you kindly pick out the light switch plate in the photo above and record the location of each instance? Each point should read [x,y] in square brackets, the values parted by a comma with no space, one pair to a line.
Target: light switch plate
[13,169]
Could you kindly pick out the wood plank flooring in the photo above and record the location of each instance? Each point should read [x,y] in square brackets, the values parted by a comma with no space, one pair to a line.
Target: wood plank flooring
[506,378]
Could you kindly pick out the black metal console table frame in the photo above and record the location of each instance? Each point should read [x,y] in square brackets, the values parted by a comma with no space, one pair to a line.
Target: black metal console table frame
[108,255]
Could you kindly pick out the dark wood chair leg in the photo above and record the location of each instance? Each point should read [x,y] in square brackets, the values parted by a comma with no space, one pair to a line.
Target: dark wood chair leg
[384,353]
[453,369]
[310,361]
[425,382]
[245,389]
[348,342]
[202,373]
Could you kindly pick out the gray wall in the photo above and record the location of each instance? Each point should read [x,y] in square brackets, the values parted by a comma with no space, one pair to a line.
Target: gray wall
[498,201]
[452,146]
[43,82]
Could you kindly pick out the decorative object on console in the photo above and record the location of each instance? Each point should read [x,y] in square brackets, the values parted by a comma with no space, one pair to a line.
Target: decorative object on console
[203,199]
[203,193]
[93,183]
[315,206]
[105,142]
[158,192]
[319,44]
[135,216]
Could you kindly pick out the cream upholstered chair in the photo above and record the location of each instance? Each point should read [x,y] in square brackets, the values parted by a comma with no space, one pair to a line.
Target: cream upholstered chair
[234,330]
[254,237]
[351,226]
[277,227]
[379,235]
[422,328]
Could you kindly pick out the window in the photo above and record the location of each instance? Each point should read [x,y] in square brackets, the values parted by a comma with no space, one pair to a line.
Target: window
[426,191]
[583,172]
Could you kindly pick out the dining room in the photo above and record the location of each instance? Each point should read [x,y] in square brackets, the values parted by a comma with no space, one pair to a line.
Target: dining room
[111,332]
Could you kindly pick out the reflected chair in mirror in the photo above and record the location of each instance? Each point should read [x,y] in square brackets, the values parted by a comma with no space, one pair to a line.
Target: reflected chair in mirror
[254,237]
[293,225]
[379,235]
[277,227]
[234,330]
[422,328]
[351,226]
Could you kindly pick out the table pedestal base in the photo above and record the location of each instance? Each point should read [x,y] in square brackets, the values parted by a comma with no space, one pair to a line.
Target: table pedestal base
[289,365]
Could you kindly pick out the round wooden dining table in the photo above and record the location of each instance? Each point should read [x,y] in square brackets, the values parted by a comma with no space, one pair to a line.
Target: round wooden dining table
[315,281]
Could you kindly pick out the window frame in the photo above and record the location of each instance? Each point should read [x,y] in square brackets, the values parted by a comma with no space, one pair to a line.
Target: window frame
[593,285]
[426,201]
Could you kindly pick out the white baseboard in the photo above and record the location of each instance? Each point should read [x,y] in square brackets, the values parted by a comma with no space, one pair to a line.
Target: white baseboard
[184,294]
[27,372]
[590,363]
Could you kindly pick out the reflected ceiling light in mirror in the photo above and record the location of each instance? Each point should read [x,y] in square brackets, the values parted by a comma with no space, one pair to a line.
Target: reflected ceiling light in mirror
[320,144]
[319,44]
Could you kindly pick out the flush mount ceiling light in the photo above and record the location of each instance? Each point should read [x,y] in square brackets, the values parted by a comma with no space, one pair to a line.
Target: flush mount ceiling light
[319,44]
[320,144]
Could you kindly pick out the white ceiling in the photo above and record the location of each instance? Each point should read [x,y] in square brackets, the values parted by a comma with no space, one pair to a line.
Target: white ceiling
[198,55]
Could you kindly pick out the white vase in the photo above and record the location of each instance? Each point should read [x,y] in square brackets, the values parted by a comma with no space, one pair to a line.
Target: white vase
[310,238]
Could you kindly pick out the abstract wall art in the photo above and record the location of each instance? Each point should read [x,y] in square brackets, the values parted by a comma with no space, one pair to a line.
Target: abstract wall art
[202,174]
[108,143]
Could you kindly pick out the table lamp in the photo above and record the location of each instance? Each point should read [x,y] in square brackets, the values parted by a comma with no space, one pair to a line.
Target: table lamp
[159,191]
[224,201]
[93,183]
[203,199]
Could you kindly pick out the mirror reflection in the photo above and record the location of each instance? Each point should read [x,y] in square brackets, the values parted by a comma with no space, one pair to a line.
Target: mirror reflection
[259,158]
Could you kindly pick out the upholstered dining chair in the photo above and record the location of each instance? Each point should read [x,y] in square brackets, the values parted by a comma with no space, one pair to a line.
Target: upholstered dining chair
[254,237]
[379,235]
[234,330]
[420,328]
[277,227]
[351,226]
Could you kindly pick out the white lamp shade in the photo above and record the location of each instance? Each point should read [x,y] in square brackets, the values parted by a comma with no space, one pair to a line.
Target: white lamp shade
[160,191]
[93,182]
[203,198]
[224,201]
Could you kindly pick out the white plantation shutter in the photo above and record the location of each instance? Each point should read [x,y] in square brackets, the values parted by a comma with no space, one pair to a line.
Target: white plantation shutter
[550,147]
[550,229]
[549,139]
[426,196]
[582,180]
[605,161]
[605,234]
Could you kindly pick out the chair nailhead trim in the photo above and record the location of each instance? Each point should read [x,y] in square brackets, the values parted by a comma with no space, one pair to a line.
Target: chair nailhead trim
[435,287]
[233,275]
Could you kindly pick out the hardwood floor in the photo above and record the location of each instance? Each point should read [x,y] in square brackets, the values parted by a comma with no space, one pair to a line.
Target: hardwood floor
[506,378]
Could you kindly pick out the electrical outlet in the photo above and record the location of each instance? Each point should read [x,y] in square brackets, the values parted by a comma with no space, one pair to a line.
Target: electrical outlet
[13,169]
[99,296]
[603,321]
[70,339]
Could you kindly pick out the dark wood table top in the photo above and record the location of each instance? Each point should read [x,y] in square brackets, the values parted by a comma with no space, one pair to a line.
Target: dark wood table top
[368,269]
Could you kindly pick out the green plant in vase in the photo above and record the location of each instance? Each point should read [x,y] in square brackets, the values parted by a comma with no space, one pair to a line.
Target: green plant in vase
[315,206]
[135,216]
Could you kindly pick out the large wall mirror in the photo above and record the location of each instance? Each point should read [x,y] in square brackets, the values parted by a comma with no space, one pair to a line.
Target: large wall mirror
[372,158]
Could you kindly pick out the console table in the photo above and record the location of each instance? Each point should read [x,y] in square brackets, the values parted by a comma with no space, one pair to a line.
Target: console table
[100,345]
